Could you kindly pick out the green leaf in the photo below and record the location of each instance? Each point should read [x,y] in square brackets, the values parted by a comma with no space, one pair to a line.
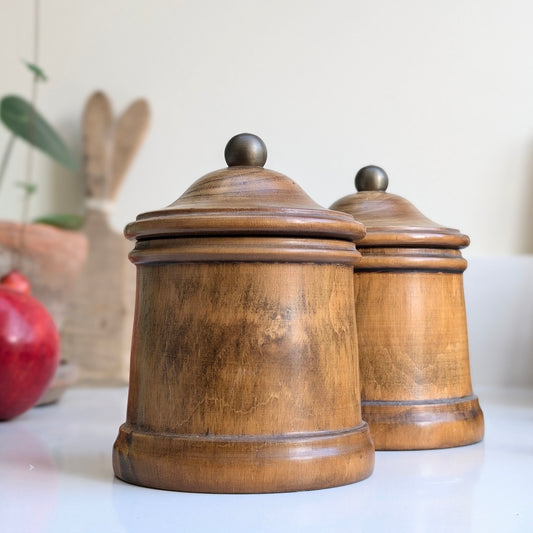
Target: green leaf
[30,188]
[64,221]
[38,71]
[20,118]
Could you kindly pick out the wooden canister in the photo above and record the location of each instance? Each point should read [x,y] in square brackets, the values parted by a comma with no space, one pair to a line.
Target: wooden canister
[244,370]
[416,388]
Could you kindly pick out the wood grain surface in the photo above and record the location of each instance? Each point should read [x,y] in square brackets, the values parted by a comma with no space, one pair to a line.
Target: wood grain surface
[248,374]
[413,345]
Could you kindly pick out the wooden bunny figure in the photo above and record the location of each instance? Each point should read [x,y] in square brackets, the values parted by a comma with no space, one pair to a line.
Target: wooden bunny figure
[97,331]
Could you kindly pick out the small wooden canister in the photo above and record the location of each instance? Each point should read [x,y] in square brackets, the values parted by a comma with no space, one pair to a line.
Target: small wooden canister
[244,371]
[416,389]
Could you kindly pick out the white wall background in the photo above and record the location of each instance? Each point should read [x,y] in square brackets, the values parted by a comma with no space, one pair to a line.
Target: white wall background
[499,306]
[438,93]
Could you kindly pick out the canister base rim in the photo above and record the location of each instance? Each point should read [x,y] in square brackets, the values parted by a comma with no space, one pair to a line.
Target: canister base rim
[423,425]
[247,465]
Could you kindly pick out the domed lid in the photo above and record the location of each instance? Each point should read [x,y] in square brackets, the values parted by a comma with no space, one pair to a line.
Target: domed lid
[245,199]
[391,220]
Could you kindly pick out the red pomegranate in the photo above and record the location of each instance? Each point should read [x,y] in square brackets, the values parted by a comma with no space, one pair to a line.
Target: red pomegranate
[29,347]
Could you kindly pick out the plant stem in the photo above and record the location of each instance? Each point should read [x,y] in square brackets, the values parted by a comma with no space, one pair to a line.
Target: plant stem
[25,215]
[5,158]
[34,85]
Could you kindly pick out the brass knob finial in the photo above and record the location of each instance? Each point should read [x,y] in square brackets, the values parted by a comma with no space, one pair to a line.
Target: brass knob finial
[371,178]
[245,149]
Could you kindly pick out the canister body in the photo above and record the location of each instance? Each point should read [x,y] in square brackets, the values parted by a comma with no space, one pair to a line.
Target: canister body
[413,345]
[244,371]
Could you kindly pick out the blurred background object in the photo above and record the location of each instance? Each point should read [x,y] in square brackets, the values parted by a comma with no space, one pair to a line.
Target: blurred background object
[97,331]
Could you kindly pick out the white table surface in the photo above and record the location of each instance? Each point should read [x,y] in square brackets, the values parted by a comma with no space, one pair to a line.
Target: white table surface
[56,476]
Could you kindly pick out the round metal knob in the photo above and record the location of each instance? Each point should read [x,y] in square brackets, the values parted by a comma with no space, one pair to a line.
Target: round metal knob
[371,178]
[245,149]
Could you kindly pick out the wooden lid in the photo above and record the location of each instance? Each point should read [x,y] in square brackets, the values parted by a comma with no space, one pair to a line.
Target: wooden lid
[245,199]
[391,220]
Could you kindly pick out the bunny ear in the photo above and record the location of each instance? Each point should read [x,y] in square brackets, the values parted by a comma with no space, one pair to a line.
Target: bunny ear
[97,139]
[129,133]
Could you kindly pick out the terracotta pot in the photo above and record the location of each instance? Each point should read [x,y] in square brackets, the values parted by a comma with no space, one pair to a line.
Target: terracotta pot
[52,260]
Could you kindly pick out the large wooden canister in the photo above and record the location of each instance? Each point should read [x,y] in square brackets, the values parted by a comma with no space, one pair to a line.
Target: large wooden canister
[416,388]
[244,371]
